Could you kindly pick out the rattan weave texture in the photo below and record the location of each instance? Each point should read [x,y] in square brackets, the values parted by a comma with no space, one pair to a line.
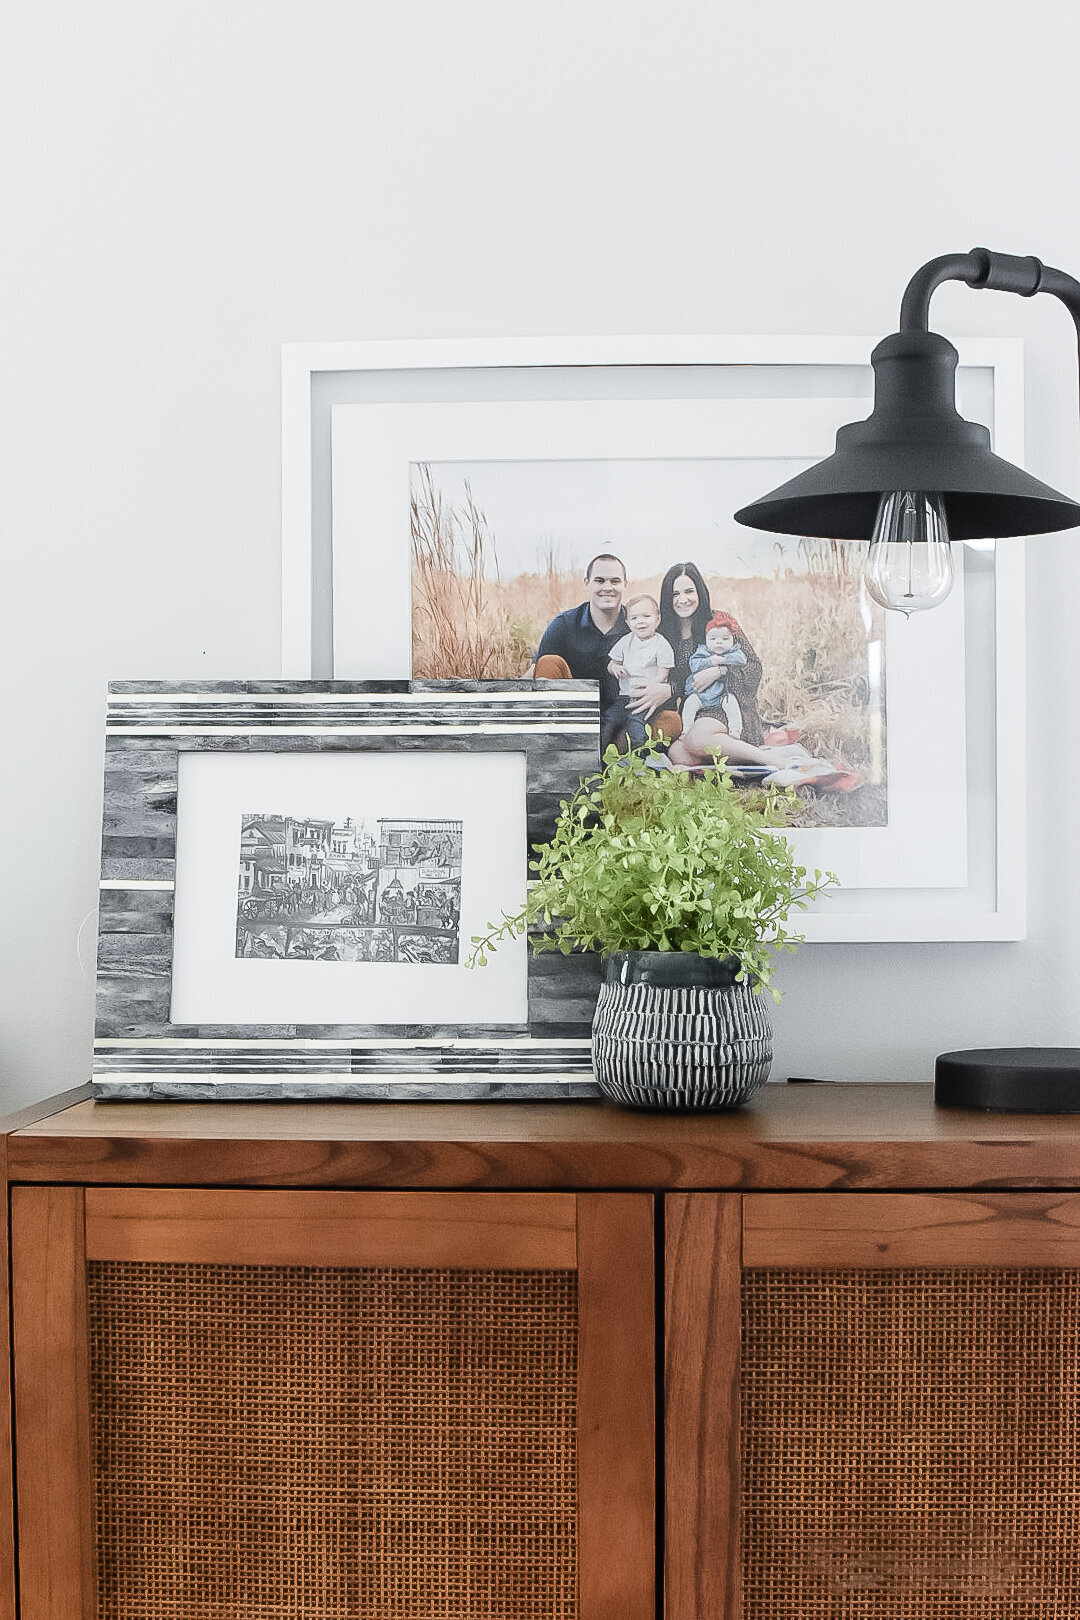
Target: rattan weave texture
[911,1444]
[294,1443]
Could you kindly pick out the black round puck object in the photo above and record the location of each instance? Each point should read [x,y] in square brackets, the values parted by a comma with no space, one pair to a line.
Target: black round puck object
[1010,1079]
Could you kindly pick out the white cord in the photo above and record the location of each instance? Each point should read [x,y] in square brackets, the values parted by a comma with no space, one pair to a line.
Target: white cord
[79,942]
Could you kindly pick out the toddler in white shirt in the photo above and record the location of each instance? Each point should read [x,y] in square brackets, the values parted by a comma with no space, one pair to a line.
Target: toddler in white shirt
[637,659]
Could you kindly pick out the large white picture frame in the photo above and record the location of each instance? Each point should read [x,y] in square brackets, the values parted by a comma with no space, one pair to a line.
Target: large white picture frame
[950,865]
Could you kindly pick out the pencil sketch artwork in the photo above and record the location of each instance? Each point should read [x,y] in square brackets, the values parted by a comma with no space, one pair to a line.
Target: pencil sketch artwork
[321,890]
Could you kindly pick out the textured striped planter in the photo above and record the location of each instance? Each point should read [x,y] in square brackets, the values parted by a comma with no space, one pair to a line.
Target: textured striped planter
[673,1030]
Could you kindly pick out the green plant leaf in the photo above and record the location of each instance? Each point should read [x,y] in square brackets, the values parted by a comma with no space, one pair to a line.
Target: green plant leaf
[658,860]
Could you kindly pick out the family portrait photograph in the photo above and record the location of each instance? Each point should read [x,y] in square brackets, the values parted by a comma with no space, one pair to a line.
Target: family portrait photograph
[714,640]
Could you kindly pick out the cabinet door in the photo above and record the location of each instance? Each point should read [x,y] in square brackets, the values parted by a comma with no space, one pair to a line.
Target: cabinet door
[239,1405]
[873,1406]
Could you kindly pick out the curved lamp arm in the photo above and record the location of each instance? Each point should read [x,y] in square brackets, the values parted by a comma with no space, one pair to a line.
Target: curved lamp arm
[997,272]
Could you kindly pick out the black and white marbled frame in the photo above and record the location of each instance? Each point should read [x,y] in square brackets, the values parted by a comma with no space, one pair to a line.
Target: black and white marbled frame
[141,1054]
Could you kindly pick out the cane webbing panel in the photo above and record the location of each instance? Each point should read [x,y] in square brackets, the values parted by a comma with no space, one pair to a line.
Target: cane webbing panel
[295,1443]
[911,1444]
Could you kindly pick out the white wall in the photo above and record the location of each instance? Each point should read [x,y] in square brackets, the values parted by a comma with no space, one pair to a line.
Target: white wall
[183,187]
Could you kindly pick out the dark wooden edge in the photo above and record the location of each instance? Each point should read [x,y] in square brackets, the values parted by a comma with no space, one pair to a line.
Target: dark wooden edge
[8,1608]
[518,1163]
[56,1540]
[28,1115]
[841,1137]
[616,1408]
[702,1330]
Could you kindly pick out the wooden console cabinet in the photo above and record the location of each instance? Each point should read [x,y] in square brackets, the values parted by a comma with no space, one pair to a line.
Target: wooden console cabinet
[478,1362]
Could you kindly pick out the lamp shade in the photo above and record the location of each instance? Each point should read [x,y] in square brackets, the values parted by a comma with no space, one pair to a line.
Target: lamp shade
[915,439]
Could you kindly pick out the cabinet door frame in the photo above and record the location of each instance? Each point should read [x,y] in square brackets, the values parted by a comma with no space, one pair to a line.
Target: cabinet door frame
[606,1237]
[710,1239]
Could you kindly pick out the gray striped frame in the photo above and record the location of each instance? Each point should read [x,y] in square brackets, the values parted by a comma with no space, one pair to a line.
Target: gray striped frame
[139,1054]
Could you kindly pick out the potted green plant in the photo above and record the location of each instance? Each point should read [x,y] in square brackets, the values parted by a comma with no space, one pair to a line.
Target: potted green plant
[683,884]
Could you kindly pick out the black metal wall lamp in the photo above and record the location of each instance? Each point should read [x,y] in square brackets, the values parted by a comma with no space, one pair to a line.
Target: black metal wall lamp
[915,475]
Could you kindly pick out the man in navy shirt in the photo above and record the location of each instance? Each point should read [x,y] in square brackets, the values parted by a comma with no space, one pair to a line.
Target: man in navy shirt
[577,643]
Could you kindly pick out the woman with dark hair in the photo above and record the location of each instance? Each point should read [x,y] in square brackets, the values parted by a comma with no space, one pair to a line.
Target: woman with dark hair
[685,610]
[689,609]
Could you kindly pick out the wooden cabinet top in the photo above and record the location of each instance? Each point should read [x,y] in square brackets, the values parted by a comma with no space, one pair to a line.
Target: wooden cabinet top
[792,1136]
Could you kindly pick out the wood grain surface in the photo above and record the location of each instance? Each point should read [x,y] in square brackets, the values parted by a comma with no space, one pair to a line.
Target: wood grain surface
[911,1229]
[524,1230]
[616,1399]
[797,1137]
[7,1482]
[24,1116]
[56,1547]
[701,1406]
[987,1189]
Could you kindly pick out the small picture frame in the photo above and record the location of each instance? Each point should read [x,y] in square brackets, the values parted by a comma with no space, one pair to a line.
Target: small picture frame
[292,874]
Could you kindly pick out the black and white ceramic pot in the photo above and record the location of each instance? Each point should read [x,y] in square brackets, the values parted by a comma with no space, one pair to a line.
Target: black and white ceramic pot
[674,1030]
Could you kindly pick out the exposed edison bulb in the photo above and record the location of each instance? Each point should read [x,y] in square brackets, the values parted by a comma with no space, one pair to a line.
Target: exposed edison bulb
[910,564]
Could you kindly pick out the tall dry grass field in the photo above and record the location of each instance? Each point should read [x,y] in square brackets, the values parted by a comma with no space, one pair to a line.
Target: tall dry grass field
[805,623]
[468,623]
